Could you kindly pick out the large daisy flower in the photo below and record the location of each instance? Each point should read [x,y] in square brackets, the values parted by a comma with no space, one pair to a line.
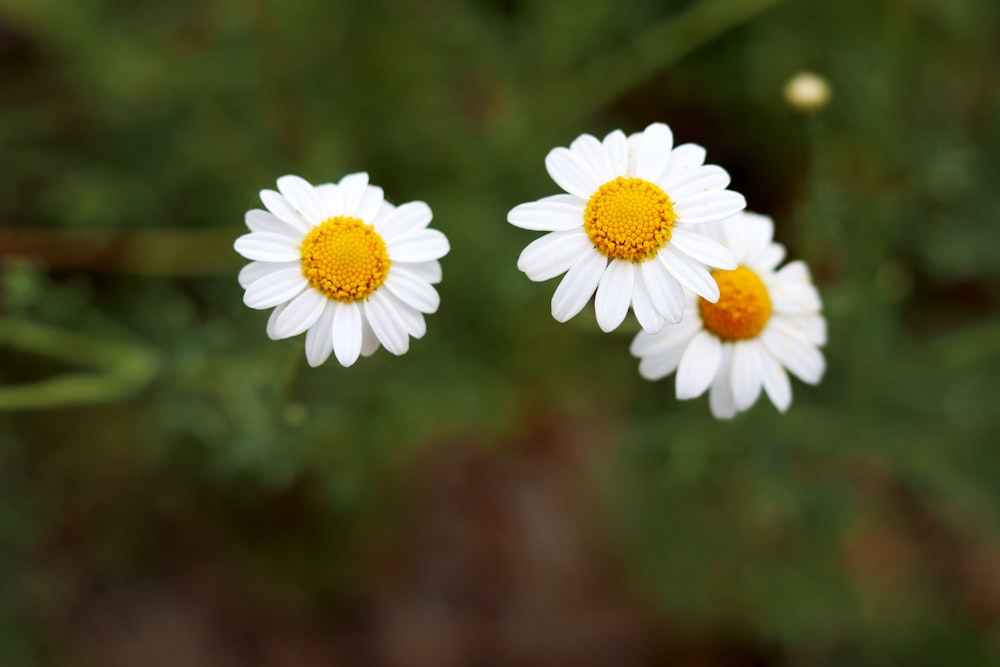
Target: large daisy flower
[629,227]
[765,322]
[339,262]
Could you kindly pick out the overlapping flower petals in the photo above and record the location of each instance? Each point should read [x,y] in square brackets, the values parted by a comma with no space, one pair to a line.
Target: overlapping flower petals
[388,317]
[736,372]
[652,287]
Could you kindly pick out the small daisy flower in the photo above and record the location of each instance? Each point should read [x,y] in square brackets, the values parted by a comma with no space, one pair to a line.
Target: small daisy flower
[340,263]
[765,322]
[629,227]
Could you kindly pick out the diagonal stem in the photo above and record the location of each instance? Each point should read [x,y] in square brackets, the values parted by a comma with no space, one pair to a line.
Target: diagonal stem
[611,75]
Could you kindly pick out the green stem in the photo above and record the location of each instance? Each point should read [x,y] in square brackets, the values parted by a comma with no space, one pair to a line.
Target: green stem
[664,44]
[120,369]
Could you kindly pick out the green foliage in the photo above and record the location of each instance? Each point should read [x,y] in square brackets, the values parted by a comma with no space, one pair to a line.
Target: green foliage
[800,530]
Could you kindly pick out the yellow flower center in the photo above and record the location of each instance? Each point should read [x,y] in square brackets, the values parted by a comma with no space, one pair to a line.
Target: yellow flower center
[344,259]
[744,305]
[629,218]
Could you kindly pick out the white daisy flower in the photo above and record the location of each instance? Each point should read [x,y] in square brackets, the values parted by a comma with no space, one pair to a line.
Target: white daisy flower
[765,322]
[339,262]
[629,227]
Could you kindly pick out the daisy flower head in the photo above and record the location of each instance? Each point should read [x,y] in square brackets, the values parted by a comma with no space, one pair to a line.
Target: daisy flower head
[340,263]
[766,322]
[629,227]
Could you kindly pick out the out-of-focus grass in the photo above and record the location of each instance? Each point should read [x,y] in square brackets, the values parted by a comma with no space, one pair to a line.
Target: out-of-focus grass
[860,528]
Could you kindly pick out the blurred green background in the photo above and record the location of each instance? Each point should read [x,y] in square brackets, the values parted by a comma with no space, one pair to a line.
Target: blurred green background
[176,489]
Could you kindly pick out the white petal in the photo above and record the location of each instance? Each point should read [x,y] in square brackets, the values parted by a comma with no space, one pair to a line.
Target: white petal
[268,247]
[411,217]
[319,338]
[698,365]
[275,288]
[702,179]
[370,204]
[262,221]
[653,153]
[746,378]
[664,290]
[702,248]
[811,327]
[429,271]
[793,351]
[683,160]
[578,285]
[412,320]
[671,335]
[386,324]
[614,294]
[642,305]
[714,231]
[333,201]
[775,379]
[301,313]
[590,151]
[689,273]
[800,299]
[792,291]
[794,272]
[301,194]
[422,246]
[569,173]
[720,396]
[616,145]
[633,142]
[347,333]
[732,233]
[272,321]
[748,235]
[255,271]
[550,214]
[369,341]
[412,290]
[384,213]
[553,254]
[662,364]
[766,260]
[709,206]
[352,189]
[277,205]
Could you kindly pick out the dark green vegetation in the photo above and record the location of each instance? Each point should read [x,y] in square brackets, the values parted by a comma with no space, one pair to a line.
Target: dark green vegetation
[510,492]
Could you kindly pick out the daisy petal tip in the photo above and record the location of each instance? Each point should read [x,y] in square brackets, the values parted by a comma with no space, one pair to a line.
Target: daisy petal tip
[684,393]
[291,180]
[517,215]
[712,296]
[727,262]
[653,328]
[561,316]
[649,377]
[346,362]
[606,325]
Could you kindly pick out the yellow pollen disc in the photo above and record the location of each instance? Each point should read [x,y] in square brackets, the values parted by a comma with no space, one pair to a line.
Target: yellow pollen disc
[744,305]
[629,218]
[345,259]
